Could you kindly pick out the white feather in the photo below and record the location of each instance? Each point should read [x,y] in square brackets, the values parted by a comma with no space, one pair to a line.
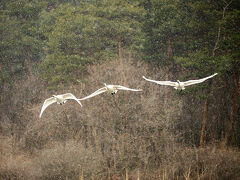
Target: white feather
[178,84]
[109,88]
[59,99]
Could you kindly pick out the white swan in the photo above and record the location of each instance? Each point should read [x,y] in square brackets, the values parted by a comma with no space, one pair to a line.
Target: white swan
[113,89]
[59,99]
[180,85]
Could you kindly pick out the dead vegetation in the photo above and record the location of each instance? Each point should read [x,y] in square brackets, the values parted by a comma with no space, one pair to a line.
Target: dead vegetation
[133,132]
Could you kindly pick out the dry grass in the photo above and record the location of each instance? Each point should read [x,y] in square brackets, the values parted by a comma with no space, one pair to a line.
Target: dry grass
[14,163]
[66,160]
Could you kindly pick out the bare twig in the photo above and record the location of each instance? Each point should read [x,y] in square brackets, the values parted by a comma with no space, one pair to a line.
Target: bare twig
[219,29]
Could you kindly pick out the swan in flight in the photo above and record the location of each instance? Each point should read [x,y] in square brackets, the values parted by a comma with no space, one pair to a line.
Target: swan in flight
[180,85]
[113,89]
[59,99]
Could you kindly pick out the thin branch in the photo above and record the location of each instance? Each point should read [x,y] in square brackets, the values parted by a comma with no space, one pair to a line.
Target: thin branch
[219,29]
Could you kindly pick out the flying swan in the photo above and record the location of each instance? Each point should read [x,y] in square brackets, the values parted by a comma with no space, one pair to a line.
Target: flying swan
[180,85]
[59,99]
[113,89]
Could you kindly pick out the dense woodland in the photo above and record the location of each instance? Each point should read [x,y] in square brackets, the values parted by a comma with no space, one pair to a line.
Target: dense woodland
[59,46]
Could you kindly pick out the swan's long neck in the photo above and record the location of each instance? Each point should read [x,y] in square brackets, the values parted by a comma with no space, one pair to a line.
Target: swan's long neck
[178,82]
[180,85]
[54,96]
[106,86]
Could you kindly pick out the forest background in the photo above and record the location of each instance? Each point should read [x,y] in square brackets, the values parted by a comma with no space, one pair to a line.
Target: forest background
[58,46]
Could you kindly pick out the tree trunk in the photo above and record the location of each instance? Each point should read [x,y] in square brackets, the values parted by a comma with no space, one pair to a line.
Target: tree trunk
[119,48]
[169,49]
[169,55]
[204,122]
[29,63]
[121,59]
[126,173]
[81,177]
[138,176]
[231,137]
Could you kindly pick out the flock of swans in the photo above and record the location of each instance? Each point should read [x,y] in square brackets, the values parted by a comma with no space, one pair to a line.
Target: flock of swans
[113,89]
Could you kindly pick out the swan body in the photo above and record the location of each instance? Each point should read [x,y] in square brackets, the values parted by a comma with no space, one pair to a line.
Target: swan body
[180,85]
[113,89]
[59,99]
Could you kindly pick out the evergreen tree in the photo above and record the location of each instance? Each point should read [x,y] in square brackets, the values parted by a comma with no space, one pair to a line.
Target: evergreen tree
[165,26]
[20,40]
[203,37]
[92,31]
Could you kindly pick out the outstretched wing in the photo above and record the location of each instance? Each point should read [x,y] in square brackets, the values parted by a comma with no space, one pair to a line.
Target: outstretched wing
[191,82]
[99,91]
[47,103]
[125,88]
[71,96]
[168,83]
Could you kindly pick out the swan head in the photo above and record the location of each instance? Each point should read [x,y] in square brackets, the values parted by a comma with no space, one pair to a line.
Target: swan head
[54,95]
[178,81]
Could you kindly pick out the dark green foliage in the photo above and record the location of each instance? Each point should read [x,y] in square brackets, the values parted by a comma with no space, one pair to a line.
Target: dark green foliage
[204,35]
[92,31]
[165,21]
[20,39]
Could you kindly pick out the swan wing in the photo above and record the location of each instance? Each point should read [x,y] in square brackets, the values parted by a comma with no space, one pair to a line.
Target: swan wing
[125,88]
[47,103]
[71,96]
[99,91]
[191,82]
[168,83]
